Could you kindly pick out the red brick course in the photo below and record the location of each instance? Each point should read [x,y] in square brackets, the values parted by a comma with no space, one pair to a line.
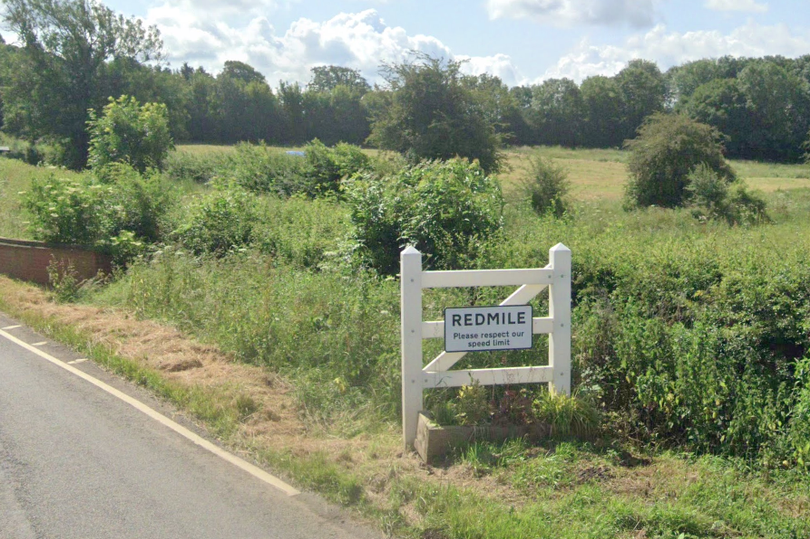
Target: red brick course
[29,260]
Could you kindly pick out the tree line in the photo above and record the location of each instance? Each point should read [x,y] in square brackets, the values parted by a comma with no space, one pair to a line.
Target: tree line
[76,54]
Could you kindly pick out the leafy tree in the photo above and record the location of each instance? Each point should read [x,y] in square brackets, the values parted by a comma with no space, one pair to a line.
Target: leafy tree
[497,103]
[643,92]
[721,104]
[245,108]
[433,115]
[130,133]
[241,71]
[522,133]
[778,104]
[292,105]
[557,108]
[63,69]
[666,151]
[683,80]
[327,78]
[186,71]
[201,106]
[350,119]
[602,112]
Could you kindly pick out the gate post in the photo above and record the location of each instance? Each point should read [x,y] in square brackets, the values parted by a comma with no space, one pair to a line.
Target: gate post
[410,261]
[559,342]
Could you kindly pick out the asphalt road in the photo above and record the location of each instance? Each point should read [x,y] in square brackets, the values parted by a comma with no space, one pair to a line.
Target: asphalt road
[77,462]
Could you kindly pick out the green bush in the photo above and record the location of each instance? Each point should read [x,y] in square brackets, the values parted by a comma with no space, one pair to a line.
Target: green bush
[114,213]
[711,199]
[445,209]
[130,133]
[667,149]
[68,210]
[260,169]
[118,215]
[748,207]
[708,192]
[546,186]
[317,173]
[698,346]
[687,335]
[139,203]
[200,168]
[218,222]
[326,166]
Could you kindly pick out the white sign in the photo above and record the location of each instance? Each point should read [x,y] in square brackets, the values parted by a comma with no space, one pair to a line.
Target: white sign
[477,329]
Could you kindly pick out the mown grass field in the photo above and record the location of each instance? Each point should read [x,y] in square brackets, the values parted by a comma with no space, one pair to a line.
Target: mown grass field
[332,332]
[597,174]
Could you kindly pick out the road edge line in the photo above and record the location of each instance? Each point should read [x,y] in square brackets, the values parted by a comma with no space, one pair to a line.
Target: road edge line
[252,469]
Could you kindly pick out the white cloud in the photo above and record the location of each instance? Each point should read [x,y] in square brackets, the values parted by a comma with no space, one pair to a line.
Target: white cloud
[637,13]
[749,6]
[499,65]
[360,41]
[216,9]
[672,48]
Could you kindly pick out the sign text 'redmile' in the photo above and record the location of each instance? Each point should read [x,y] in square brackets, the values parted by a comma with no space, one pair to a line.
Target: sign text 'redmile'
[478,329]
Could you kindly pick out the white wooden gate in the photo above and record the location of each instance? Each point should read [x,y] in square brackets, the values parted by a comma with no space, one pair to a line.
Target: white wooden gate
[556,276]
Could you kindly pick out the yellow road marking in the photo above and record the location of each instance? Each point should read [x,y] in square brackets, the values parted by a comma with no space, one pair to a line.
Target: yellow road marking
[12,327]
[253,470]
[77,361]
[40,343]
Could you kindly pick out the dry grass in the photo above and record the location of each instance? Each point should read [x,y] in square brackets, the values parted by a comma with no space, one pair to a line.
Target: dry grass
[601,174]
[275,425]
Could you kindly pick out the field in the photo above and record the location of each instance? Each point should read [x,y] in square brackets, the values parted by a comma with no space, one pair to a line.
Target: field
[690,335]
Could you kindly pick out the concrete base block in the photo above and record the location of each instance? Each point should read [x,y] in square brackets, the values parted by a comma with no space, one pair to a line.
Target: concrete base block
[433,442]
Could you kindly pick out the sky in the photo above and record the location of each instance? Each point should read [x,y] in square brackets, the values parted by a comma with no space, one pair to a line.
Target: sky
[521,41]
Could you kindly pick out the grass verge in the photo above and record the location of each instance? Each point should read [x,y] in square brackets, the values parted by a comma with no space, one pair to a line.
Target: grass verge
[561,489]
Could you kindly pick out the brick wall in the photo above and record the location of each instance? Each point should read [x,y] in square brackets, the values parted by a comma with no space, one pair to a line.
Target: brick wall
[29,260]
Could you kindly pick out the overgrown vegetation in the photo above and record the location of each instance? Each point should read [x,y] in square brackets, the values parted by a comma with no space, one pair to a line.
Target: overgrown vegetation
[546,187]
[117,211]
[710,197]
[680,337]
[689,334]
[447,210]
[681,340]
[666,151]
[131,133]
